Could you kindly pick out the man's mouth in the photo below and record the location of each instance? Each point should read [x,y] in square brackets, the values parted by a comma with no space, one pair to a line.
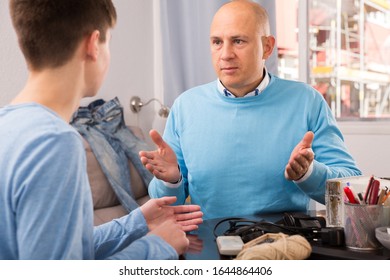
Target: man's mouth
[229,70]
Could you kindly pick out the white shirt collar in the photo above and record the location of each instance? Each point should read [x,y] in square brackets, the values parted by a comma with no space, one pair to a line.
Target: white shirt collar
[264,83]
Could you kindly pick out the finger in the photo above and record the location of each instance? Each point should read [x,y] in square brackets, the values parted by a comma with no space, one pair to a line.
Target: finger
[153,167]
[155,163]
[160,175]
[300,163]
[166,200]
[297,169]
[195,241]
[186,208]
[307,140]
[307,153]
[305,158]
[290,173]
[144,160]
[188,216]
[150,168]
[195,247]
[192,222]
[189,228]
[194,237]
[157,139]
[157,168]
[302,166]
[148,155]
[170,171]
[142,153]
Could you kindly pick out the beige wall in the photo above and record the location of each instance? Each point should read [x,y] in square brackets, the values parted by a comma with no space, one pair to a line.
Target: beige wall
[132,60]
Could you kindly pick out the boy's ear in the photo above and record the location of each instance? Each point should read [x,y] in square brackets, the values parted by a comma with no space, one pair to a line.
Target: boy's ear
[92,45]
[268,46]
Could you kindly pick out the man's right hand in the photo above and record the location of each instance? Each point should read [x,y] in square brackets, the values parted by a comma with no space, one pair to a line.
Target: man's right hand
[162,162]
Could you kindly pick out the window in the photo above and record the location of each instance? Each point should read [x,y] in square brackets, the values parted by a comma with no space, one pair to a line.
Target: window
[348,57]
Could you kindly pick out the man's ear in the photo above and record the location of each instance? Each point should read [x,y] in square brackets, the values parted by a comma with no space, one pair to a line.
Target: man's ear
[92,45]
[268,45]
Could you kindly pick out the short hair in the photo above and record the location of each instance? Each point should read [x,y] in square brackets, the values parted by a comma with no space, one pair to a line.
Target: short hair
[49,31]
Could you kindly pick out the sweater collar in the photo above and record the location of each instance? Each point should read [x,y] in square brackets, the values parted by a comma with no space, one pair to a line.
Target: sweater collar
[263,84]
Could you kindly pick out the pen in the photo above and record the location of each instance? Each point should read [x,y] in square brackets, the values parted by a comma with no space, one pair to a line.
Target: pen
[350,195]
[355,195]
[386,200]
[368,189]
[382,194]
[361,198]
[373,196]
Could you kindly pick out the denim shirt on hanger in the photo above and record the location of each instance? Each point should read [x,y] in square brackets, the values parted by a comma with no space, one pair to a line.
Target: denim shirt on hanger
[113,143]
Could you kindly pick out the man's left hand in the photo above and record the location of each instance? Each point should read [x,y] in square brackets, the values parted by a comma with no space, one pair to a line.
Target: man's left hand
[301,158]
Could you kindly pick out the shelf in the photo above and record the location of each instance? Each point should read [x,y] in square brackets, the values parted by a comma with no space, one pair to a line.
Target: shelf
[378,68]
[380,5]
[350,74]
[379,22]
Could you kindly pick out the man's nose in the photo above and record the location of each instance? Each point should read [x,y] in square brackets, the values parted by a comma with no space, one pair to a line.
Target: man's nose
[227,51]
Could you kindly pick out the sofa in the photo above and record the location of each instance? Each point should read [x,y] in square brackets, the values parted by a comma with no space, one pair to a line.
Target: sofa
[105,202]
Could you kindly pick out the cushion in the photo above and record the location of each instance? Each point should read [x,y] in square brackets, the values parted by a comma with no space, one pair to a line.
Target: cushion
[104,215]
[105,202]
[102,193]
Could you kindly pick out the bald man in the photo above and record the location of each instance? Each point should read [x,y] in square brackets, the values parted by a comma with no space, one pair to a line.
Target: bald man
[248,142]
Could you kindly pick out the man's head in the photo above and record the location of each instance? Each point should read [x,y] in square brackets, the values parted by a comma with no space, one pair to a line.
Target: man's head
[240,43]
[50,31]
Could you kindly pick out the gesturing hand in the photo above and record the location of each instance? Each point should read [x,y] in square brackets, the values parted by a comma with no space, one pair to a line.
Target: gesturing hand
[301,158]
[156,211]
[162,162]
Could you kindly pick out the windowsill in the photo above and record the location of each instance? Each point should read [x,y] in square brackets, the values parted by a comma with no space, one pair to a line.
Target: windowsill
[369,127]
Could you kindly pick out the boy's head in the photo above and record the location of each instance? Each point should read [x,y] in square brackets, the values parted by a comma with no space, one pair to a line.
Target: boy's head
[50,31]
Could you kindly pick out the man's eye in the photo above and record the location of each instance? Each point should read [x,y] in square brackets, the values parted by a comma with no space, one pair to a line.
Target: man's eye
[238,41]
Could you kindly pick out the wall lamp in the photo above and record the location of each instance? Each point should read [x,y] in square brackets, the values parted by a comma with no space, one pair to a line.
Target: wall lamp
[136,104]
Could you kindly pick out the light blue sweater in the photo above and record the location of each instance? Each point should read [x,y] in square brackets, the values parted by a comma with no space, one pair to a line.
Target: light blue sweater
[233,151]
[46,209]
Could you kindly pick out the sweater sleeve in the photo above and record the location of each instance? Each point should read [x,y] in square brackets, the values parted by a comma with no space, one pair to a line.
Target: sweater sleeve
[332,159]
[51,202]
[125,238]
[157,188]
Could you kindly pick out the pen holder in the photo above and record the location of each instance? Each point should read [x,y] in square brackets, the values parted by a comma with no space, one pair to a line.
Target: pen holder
[360,222]
[334,197]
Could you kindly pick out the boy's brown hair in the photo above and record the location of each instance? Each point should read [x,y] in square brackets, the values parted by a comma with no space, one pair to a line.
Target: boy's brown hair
[50,30]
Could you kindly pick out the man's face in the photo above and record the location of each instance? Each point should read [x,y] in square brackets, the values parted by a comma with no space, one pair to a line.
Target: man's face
[236,50]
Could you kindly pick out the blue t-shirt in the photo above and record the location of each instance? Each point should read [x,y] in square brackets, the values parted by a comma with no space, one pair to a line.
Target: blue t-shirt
[46,202]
